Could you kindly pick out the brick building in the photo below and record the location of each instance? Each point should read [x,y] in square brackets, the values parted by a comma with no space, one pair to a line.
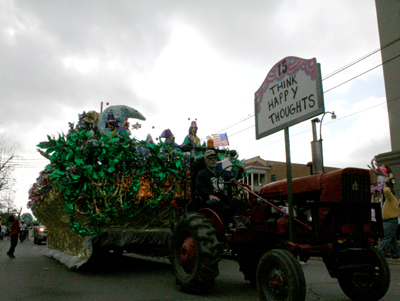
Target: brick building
[261,172]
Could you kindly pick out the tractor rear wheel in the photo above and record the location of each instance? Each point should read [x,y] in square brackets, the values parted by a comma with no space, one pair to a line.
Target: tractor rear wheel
[280,277]
[365,276]
[195,253]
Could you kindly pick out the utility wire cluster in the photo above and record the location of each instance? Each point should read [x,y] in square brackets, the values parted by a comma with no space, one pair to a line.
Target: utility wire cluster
[330,75]
[38,163]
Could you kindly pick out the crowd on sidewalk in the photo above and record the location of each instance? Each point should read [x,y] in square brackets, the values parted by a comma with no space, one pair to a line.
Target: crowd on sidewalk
[384,193]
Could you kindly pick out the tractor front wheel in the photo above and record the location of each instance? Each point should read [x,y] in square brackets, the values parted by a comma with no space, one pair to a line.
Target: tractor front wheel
[365,276]
[280,277]
[195,253]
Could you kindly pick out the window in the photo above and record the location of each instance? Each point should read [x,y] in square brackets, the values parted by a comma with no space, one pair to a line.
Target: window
[256,181]
[262,180]
[273,178]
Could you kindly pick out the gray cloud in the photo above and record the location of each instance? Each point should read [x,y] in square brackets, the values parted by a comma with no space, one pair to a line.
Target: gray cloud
[59,57]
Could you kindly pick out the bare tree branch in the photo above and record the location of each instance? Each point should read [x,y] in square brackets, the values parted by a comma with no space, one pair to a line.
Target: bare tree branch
[7,180]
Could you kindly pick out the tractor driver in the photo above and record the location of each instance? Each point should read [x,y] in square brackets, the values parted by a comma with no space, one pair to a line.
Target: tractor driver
[213,196]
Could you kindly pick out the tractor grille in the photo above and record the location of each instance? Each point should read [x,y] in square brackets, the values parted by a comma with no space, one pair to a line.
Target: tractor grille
[355,189]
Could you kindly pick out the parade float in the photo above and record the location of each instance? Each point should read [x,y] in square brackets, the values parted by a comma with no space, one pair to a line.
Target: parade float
[104,193]
[104,188]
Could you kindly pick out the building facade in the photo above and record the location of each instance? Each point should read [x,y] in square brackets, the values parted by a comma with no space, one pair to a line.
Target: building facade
[388,13]
[261,172]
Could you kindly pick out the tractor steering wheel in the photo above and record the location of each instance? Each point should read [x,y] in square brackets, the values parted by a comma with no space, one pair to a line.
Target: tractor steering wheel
[236,172]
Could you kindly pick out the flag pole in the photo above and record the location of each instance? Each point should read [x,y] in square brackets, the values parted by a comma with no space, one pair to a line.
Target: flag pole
[227,138]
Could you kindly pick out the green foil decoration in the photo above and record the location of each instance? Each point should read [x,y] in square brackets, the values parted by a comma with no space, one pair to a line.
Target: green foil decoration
[99,177]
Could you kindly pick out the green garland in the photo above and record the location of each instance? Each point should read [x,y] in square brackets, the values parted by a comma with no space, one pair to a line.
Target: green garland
[99,176]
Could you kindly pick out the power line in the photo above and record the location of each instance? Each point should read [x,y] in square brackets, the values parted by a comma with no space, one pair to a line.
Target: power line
[249,116]
[334,73]
[242,130]
[355,113]
[22,163]
[362,73]
[349,65]
[360,59]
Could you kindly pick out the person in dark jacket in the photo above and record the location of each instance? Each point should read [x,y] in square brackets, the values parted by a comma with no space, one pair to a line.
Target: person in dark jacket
[14,235]
[210,187]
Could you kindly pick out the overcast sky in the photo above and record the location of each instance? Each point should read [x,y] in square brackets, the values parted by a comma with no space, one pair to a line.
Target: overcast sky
[175,60]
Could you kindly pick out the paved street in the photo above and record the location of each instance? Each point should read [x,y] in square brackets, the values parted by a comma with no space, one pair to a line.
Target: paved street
[33,276]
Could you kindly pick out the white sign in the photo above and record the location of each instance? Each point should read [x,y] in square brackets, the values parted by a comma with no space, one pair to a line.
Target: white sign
[291,93]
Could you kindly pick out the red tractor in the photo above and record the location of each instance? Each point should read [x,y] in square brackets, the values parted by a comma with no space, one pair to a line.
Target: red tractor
[331,220]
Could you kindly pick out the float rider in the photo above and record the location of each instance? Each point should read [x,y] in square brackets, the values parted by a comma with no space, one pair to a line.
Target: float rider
[191,139]
[114,126]
[167,134]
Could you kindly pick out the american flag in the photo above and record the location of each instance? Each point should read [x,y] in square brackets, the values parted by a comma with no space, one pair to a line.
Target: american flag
[220,140]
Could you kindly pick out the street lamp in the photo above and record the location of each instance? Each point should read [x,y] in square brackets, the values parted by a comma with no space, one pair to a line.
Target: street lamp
[333,116]
[316,145]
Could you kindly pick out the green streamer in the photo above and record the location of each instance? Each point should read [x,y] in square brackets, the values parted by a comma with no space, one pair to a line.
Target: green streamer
[100,176]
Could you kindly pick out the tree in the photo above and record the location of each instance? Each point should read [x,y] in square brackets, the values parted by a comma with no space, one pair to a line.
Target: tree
[7,164]
[27,217]
[7,205]
[7,181]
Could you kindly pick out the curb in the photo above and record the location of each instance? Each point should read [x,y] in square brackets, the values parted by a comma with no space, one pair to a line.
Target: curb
[389,260]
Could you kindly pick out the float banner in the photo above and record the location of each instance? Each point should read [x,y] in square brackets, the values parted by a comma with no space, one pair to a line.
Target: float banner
[291,93]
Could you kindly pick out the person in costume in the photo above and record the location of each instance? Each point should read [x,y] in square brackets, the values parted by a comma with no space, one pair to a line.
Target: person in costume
[114,126]
[169,138]
[192,139]
[149,139]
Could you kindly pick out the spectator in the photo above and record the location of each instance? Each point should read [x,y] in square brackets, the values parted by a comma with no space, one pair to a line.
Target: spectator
[23,231]
[14,235]
[3,231]
[390,176]
[381,173]
[390,216]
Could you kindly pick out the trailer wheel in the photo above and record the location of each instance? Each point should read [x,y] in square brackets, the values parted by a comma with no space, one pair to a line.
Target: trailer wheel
[280,277]
[195,253]
[369,277]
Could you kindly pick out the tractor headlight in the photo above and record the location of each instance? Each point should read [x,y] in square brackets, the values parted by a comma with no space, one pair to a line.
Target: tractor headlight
[308,216]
